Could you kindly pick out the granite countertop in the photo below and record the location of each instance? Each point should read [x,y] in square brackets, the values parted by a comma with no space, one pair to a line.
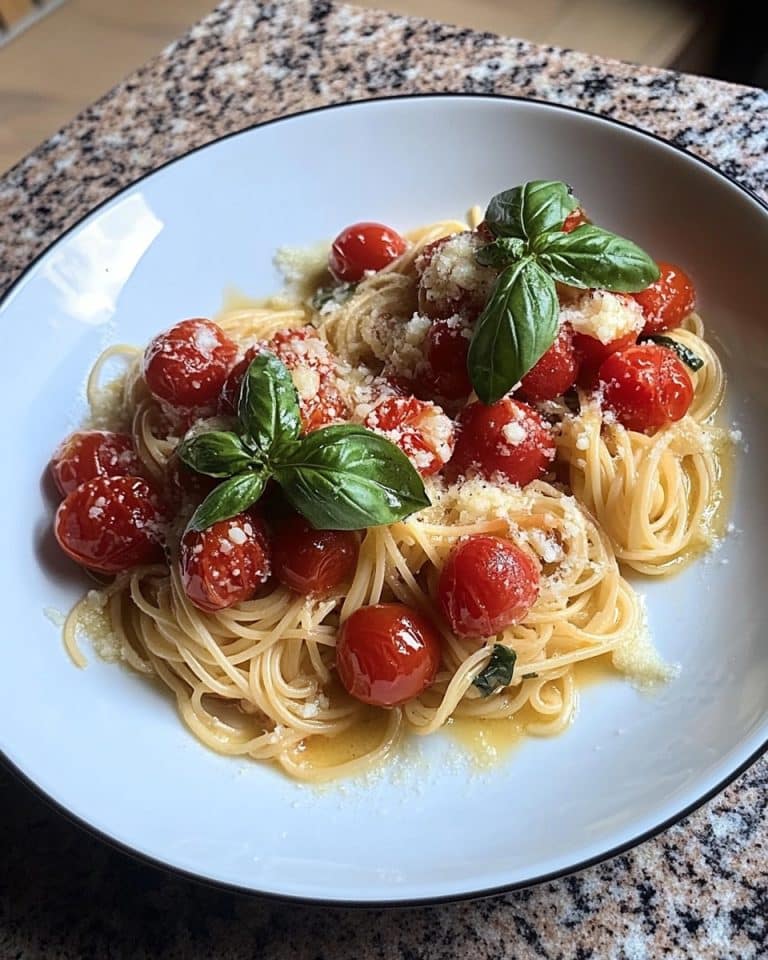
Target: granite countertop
[698,890]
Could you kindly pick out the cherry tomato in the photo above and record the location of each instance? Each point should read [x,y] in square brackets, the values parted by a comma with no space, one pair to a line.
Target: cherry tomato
[362,247]
[451,281]
[591,352]
[387,654]
[186,485]
[446,348]
[110,524]
[93,453]
[226,563]
[230,392]
[646,386]
[486,584]
[419,427]
[668,301]
[312,368]
[187,365]
[313,562]
[576,218]
[507,437]
[555,372]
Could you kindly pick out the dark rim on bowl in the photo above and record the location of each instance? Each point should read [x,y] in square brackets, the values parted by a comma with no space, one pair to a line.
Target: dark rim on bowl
[414,901]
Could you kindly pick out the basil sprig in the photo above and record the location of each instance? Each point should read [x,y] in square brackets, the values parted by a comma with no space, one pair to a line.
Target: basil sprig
[341,477]
[519,322]
[498,672]
[689,358]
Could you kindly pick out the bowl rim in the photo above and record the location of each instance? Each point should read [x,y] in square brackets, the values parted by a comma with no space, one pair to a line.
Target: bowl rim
[393,903]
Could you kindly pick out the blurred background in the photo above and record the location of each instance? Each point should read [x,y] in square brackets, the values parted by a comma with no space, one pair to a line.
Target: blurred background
[56,56]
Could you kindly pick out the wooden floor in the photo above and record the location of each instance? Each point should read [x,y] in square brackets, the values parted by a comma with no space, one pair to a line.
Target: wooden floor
[83,47]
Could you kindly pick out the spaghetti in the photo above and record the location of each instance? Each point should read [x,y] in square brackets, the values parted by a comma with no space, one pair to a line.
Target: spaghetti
[259,678]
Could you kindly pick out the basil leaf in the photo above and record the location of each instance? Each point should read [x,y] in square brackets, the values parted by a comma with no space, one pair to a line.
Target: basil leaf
[217,453]
[229,498]
[689,358]
[517,326]
[501,252]
[530,209]
[498,671]
[593,257]
[339,294]
[345,477]
[268,408]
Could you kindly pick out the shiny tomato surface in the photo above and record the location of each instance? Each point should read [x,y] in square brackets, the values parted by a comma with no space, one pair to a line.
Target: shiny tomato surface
[387,654]
[93,453]
[668,301]
[555,372]
[313,562]
[110,524]
[361,247]
[486,585]
[188,365]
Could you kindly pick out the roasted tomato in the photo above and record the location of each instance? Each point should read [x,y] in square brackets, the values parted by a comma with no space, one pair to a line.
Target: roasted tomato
[93,453]
[313,562]
[226,563]
[362,247]
[110,524]
[187,365]
[445,349]
[646,387]
[668,301]
[387,654]
[555,372]
[507,438]
[486,584]
[420,428]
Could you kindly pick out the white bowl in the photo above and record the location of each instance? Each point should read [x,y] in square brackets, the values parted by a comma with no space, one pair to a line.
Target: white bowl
[108,747]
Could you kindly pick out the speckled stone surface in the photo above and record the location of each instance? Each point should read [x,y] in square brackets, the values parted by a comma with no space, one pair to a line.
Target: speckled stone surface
[700,889]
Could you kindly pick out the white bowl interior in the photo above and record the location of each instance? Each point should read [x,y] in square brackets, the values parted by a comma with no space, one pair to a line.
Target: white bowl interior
[108,746]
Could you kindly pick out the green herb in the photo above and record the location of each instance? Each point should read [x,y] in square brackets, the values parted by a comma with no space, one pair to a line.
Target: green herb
[341,477]
[529,676]
[498,671]
[517,326]
[519,322]
[592,257]
[339,293]
[689,358]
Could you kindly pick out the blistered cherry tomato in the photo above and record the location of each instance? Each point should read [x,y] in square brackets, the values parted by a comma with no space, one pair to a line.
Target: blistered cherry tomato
[507,437]
[387,654]
[486,584]
[93,453]
[591,352]
[445,349]
[312,368]
[187,365]
[419,427]
[576,218]
[230,392]
[361,247]
[110,524]
[668,301]
[555,372]
[226,563]
[646,386]
[313,562]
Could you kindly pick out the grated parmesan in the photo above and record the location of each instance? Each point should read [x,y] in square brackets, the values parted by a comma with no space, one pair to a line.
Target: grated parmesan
[603,315]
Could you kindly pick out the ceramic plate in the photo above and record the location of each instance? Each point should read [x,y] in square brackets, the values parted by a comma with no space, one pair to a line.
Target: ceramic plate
[109,748]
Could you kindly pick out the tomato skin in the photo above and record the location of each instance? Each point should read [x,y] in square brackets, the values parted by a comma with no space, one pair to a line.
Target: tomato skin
[419,427]
[313,562]
[591,352]
[486,585]
[110,524]
[361,247]
[667,301]
[387,654]
[446,349]
[483,448]
[555,372]
[646,386]
[187,365]
[312,367]
[93,453]
[226,563]
[576,218]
